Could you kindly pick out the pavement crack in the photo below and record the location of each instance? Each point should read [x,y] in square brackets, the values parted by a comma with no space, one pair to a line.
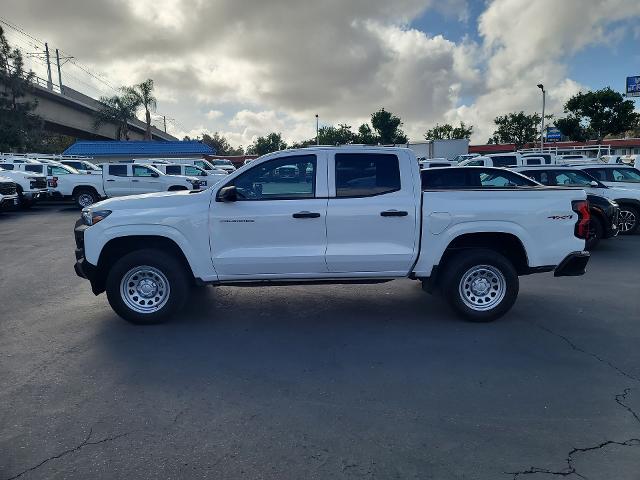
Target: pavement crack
[578,348]
[571,469]
[80,446]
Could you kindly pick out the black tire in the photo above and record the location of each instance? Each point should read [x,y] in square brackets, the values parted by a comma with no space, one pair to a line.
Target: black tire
[460,266]
[596,231]
[632,215]
[174,274]
[23,203]
[83,196]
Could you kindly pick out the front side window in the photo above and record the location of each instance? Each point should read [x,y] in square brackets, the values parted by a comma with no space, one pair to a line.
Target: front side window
[444,178]
[55,170]
[194,171]
[202,164]
[366,174]
[571,179]
[118,170]
[503,179]
[625,175]
[140,171]
[285,178]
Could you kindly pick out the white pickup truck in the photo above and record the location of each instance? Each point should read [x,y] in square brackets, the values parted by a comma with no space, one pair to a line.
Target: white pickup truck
[8,193]
[350,214]
[31,187]
[116,180]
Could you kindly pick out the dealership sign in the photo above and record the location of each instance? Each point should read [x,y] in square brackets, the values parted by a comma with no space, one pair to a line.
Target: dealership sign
[633,86]
[553,134]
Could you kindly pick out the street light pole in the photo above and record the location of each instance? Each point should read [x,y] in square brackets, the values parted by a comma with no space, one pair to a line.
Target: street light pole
[544,94]
[317,130]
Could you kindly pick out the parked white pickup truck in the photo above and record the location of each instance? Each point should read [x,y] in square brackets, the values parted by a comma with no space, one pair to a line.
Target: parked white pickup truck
[30,187]
[116,180]
[349,214]
[8,193]
[206,178]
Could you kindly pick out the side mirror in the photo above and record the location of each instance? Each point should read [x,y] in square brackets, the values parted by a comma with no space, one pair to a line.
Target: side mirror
[594,183]
[155,174]
[228,194]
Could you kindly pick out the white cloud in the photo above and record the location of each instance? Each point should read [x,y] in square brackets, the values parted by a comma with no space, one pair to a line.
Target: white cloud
[214,114]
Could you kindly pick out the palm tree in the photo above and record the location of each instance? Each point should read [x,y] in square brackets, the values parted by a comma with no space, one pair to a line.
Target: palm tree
[144,92]
[118,109]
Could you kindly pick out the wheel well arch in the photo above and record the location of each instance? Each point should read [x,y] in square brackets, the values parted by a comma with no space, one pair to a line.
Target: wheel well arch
[504,243]
[77,189]
[628,202]
[117,247]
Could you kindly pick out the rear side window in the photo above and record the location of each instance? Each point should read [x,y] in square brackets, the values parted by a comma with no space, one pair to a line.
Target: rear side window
[7,166]
[509,161]
[172,170]
[366,174]
[443,178]
[34,168]
[533,161]
[118,170]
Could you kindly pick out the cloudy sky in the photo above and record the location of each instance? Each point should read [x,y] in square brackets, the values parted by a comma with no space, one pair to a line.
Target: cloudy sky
[248,67]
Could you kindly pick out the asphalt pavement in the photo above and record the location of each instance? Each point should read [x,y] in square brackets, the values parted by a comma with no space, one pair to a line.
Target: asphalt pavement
[314,382]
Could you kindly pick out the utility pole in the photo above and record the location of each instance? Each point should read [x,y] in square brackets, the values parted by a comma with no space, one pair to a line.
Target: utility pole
[49,81]
[164,117]
[317,130]
[544,94]
[59,70]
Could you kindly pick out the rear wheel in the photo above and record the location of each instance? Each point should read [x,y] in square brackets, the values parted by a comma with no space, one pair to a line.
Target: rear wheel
[481,285]
[147,286]
[596,231]
[23,202]
[629,219]
[85,197]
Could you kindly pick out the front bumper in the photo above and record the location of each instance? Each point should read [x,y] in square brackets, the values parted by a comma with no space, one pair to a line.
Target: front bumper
[82,267]
[35,195]
[573,265]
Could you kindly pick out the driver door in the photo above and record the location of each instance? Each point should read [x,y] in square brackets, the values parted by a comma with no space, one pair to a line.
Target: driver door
[145,180]
[277,226]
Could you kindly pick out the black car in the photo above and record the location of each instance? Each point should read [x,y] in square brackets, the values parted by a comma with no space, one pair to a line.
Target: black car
[604,219]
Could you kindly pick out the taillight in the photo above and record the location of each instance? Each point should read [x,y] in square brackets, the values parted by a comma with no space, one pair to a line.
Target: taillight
[581,207]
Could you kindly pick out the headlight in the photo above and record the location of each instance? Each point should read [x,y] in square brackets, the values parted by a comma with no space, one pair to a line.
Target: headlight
[91,217]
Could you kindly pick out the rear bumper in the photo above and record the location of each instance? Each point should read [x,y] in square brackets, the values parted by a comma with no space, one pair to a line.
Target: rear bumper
[573,265]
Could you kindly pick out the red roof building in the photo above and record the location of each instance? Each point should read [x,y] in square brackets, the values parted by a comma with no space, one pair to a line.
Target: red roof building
[623,146]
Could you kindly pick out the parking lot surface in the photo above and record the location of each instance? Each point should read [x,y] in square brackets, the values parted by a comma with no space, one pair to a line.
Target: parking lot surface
[347,381]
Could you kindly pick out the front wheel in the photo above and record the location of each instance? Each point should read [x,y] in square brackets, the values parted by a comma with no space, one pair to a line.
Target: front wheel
[147,286]
[629,219]
[85,198]
[481,285]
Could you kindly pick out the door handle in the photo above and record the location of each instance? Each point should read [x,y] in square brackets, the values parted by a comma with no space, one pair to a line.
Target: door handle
[306,215]
[110,180]
[394,213]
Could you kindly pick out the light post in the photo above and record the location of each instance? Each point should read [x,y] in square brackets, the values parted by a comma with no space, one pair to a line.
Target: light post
[317,130]
[541,87]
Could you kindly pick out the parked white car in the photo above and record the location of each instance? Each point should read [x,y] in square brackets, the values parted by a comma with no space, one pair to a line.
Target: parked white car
[198,162]
[223,164]
[435,163]
[514,159]
[359,214]
[30,187]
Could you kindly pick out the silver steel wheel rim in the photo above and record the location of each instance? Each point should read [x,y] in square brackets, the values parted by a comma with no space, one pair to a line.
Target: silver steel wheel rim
[84,199]
[626,220]
[482,287]
[145,289]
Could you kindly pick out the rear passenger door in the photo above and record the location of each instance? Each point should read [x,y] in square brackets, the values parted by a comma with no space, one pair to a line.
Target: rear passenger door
[372,214]
[117,180]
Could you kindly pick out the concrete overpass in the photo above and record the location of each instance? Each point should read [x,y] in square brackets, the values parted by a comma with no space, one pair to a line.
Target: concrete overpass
[69,112]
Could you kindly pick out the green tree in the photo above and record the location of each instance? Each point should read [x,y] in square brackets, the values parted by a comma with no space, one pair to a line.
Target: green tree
[518,128]
[598,114]
[340,135]
[449,132]
[144,93]
[387,127]
[20,127]
[117,109]
[263,145]
[365,135]
[220,144]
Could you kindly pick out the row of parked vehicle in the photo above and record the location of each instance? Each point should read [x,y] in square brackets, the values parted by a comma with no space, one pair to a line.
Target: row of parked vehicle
[25,180]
